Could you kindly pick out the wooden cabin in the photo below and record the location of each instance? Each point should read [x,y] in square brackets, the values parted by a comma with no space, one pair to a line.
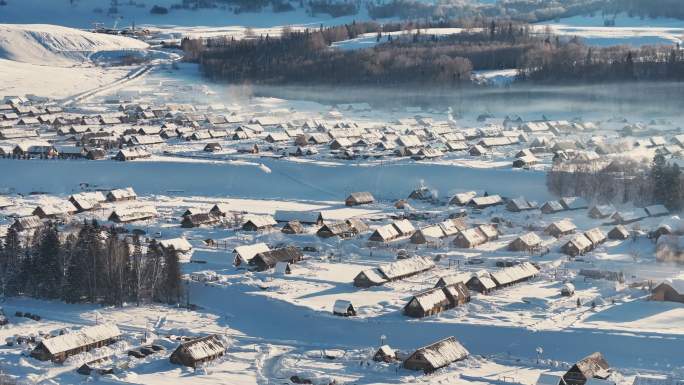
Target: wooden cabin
[259,223]
[119,195]
[529,242]
[293,227]
[59,348]
[592,366]
[437,355]
[198,351]
[618,232]
[560,228]
[199,219]
[671,290]
[268,259]
[385,354]
[359,198]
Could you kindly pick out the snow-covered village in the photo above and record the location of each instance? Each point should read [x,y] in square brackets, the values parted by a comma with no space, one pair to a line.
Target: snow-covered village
[341,192]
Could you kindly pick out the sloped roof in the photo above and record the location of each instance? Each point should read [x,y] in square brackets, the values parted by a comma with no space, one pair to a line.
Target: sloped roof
[247,252]
[442,353]
[406,267]
[178,244]
[85,336]
[203,347]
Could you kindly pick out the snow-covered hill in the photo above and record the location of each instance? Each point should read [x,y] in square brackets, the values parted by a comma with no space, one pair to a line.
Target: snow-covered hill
[55,45]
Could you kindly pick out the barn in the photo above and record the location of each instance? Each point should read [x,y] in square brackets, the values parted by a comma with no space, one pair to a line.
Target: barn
[437,355]
[199,350]
[359,198]
[592,366]
[61,347]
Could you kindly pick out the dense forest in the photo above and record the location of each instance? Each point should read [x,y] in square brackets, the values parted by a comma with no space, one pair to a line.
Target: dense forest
[620,181]
[415,57]
[93,264]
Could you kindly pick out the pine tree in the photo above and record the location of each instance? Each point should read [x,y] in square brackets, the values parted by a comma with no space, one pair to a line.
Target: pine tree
[13,252]
[48,269]
[172,277]
[77,287]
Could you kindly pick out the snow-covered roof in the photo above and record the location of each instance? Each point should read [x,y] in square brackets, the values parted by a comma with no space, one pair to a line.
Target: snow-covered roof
[430,298]
[260,220]
[85,336]
[177,244]
[404,227]
[341,306]
[204,347]
[443,352]
[123,193]
[406,267]
[247,252]
[550,379]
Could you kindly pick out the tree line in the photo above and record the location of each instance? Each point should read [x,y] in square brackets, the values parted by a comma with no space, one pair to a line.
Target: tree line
[413,56]
[622,180]
[93,264]
[410,57]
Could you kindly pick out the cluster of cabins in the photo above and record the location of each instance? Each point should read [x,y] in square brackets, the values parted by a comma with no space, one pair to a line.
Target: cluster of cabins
[191,353]
[89,201]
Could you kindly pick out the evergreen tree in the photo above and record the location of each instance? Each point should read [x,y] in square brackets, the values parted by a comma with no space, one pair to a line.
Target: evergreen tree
[173,289]
[48,269]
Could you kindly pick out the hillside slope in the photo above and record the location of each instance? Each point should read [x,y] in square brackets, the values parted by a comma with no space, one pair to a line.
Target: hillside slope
[55,45]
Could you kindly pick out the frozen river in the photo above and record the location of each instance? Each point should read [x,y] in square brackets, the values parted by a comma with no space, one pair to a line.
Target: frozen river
[287,180]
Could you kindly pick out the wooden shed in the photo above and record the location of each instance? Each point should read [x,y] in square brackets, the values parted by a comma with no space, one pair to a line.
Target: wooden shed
[199,350]
[578,245]
[560,228]
[343,308]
